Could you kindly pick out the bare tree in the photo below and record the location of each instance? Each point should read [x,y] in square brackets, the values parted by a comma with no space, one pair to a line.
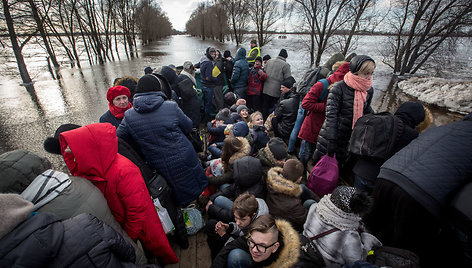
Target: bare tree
[148,15]
[421,27]
[323,18]
[237,14]
[17,48]
[264,14]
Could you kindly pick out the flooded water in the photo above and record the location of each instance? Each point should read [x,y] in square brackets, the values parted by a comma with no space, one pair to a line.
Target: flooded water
[79,95]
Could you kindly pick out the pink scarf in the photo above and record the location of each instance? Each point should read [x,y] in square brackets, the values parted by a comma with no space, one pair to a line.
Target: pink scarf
[361,86]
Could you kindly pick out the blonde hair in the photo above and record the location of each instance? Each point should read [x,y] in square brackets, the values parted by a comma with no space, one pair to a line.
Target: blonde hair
[252,117]
[367,66]
[337,64]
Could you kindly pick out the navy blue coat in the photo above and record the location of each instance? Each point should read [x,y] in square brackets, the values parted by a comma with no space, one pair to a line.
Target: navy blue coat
[240,75]
[108,117]
[158,127]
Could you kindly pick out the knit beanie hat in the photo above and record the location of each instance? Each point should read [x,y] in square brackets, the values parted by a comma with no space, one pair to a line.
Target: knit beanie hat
[227,54]
[148,83]
[293,169]
[254,42]
[51,144]
[283,53]
[278,148]
[223,114]
[240,108]
[240,129]
[258,59]
[14,210]
[288,83]
[116,91]
[266,57]
[148,70]
[351,200]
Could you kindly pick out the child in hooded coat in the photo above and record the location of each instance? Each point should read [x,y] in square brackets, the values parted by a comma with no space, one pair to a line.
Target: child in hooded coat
[91,152]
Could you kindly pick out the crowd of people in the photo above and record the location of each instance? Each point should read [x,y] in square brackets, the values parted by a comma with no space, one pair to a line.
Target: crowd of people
[227,141]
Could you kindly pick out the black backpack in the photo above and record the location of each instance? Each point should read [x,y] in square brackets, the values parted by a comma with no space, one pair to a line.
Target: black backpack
[309,79]
[375,135]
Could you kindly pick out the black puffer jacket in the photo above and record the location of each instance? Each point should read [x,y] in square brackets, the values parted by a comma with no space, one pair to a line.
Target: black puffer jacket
[337,128]
[286,113]
[82,241]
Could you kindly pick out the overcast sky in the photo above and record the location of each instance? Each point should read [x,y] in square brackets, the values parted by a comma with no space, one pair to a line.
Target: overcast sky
[179,11]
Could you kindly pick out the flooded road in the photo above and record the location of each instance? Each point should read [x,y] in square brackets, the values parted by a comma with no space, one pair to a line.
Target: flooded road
[79,95]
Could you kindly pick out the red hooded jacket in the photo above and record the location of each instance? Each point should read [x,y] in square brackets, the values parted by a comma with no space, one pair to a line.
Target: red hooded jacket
[316,110]
[95,157]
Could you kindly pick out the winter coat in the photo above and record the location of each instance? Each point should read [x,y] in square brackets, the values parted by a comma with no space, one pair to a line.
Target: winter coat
[82,241]
[240,74]
[19,169]
[159,128]
[268,160]
[346,245]
[108,117]
[247,175]
[206,72]
[434,165]
[277,71]
[286,113]
[337,128]
[316,110]
[284,195]
[255,82]
[228,67]
[190,104]
[221,76]
[95,157]
[411,114]
[289,254]
[260,138]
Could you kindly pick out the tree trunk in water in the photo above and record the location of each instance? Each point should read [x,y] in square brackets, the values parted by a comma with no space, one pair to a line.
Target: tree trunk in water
[16,48]
[39,24]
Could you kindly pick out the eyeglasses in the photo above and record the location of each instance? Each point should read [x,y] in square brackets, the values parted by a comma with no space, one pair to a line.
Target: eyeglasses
[259,247]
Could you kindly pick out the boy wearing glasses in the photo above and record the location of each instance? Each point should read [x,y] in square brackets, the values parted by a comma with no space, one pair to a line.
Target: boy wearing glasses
[271,243]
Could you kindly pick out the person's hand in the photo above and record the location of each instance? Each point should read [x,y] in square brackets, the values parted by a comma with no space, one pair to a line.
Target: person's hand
[208,205]
[214,145]
[260,72]
[220,228]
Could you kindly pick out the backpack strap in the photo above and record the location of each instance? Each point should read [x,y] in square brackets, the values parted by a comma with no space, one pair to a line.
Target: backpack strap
[325,92]
[324,233]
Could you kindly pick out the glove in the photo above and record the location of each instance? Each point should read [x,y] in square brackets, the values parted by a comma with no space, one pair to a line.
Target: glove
[331,148]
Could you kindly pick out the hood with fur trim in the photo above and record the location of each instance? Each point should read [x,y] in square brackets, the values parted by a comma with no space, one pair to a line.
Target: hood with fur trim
[245,150]
[279,184]
[290,251]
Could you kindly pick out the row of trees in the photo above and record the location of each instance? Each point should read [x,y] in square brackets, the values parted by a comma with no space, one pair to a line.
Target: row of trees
[418,29]
[97,28]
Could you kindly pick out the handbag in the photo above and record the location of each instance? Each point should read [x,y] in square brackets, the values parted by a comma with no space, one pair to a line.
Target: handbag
[324,176]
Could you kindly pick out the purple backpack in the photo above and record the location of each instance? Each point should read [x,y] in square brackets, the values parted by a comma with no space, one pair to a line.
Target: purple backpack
[323,177]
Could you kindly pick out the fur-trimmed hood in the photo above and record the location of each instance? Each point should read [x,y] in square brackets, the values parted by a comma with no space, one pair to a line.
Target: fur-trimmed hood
[290,251]
[266,157]
[276,182]
[245,150]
